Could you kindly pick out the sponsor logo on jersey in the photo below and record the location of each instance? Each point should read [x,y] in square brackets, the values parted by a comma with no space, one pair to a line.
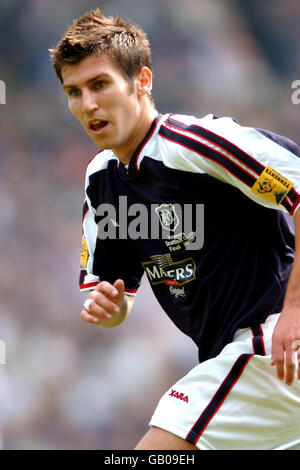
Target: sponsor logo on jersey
[162,269]
[177,291]
[271,186]
[181,396]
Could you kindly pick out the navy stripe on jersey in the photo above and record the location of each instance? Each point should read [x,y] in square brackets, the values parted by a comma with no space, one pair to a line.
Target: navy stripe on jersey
[219,397]
[288,205]
[208,152]
[258,341]
[82,275]
[242,156]
[147,137]
[295,205]
[84,210]
[291,201]
[293,196]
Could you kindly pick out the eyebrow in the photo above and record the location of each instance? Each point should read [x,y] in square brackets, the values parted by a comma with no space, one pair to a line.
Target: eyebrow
[88,82]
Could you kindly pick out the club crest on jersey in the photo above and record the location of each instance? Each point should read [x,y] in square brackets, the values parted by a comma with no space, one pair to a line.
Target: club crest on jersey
[167,216]
[162,269]
[271,186]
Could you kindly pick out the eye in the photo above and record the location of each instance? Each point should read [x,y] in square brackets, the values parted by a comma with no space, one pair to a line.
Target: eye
[74,92]
[100,84]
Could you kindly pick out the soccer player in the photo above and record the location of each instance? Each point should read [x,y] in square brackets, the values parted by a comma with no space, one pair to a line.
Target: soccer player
[200,204]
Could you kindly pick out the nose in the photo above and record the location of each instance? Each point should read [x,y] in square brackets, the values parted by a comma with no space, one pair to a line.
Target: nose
[89,102]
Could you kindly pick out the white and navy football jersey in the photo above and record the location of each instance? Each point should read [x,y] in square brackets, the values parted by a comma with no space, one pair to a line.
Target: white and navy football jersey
[202,209]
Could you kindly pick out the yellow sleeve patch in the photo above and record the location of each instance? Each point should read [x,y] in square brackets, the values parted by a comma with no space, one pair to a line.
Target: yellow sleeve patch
[271,186]
[84,254]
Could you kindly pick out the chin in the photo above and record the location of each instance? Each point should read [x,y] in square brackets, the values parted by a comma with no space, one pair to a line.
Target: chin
[101,143]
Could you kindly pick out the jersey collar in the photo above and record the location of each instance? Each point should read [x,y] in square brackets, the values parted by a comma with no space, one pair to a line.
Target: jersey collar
[132,167]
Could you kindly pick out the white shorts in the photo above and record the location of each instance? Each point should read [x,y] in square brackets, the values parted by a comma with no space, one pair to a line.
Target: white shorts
[235,401]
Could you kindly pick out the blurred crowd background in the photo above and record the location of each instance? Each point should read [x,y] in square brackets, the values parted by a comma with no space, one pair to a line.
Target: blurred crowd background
[67,384]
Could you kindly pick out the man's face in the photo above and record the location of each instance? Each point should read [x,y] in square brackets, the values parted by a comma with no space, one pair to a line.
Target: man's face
[102,100]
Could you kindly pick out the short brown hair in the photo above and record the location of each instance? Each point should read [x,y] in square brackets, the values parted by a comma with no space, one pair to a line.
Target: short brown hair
[93,33]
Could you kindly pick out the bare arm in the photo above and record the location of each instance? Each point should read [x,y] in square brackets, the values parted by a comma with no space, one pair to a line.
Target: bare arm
[286,336]
[110,306]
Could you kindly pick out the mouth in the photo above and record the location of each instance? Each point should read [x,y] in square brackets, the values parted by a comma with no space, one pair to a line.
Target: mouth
[97,125]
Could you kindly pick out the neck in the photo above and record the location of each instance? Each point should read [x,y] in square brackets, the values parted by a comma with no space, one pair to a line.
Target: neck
[143,124]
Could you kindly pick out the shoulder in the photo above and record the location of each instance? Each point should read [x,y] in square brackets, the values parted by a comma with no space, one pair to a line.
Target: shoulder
[181,138]
[208,134]
[97,166]
[99,162]
[197,125]
[188,131]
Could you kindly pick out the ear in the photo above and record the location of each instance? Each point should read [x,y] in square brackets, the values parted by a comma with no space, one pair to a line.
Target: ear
[144,81]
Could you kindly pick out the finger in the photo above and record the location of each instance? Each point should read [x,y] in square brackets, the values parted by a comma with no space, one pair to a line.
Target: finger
[280,369]
[96,313]
[87,317]
[296,356]
[101,303]
[290,366]
[278,358]
[107,289]
[120,286]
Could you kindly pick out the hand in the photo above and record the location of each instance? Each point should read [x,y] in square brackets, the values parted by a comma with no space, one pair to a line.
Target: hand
[107,301]
[286,345]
